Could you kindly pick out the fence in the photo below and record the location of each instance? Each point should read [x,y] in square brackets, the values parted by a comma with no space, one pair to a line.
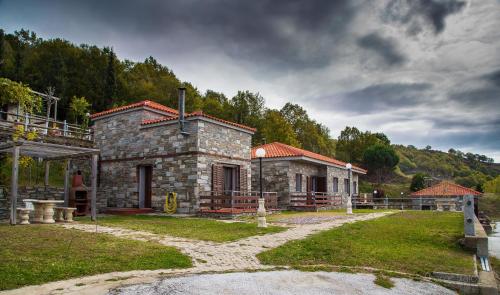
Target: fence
[409,203]
[237,200]
[44,126]
[315,200]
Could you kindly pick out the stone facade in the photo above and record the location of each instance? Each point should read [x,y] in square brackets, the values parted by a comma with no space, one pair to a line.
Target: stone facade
[180,163]
[279,175]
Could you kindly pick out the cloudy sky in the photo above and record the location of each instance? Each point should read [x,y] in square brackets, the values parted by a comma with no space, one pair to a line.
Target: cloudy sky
[421,71]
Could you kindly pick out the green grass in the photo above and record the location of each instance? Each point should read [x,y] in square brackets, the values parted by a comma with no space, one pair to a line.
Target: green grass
[495,264]
[192,228]
[37,254]
[383,281]
[415,242]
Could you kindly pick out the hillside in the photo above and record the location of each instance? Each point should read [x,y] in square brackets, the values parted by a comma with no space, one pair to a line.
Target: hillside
[464,169]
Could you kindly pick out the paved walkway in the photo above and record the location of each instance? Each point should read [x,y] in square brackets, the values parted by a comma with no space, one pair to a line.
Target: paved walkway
[207,256]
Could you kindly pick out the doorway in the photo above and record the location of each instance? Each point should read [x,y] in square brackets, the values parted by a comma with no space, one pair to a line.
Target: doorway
[145,184]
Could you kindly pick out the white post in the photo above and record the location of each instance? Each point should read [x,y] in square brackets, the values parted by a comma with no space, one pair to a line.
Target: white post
[95,159]
[13,184]
[349,189]
[66,183]
[65,128]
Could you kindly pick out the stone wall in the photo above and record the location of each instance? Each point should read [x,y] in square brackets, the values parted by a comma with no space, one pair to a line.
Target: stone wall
[181,163]
[275,178]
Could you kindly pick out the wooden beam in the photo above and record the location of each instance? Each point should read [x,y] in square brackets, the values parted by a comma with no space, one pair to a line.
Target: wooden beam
[13,185]
[95,159]
[73,156]
[47,173]
[67,172]
[5,147]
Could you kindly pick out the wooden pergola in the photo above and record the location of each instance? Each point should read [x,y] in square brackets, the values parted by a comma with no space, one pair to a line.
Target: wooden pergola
[49,152]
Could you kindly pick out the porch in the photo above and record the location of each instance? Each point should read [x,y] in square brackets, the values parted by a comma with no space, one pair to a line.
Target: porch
[235,202]
[314,201]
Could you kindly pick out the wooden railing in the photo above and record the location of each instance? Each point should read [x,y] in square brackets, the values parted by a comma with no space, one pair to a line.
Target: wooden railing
[315,199]
[44,126]
[237,200]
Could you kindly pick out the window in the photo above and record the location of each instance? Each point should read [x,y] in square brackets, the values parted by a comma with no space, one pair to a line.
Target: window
[347,189]
[230,179]
[354,187]
[298,182]
[335,184]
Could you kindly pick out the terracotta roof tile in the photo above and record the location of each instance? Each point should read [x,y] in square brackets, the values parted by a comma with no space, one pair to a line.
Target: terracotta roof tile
[144,103]
[199,114]
[281,150]
[446,188]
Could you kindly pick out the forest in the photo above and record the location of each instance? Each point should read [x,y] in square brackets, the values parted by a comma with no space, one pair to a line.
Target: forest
[91,79]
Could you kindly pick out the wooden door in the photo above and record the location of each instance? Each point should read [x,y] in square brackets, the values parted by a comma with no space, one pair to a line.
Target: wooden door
[145,186]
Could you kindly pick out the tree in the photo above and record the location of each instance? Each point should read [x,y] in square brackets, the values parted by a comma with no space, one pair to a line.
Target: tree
[79,107]
[418,181]
[380,160]
[110,88]
[428,148]
[276,128]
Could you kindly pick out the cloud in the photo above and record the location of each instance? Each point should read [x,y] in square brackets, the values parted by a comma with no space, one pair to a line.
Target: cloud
[275,33]
[483,92]
[385,48]
[417,14]
[380,97]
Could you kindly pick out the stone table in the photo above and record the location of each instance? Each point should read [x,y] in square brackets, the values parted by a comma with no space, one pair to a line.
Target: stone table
[44,210]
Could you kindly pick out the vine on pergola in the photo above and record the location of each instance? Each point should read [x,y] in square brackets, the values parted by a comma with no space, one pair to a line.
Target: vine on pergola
[12,92]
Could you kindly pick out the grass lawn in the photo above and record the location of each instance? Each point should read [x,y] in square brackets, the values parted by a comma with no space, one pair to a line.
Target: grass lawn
[37,254]
[411,241]
[192,228]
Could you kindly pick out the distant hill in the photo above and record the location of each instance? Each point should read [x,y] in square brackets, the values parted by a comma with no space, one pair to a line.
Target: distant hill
[465,169]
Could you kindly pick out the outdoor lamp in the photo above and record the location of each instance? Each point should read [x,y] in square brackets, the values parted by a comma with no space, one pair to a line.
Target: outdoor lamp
[348,166]
[261,211]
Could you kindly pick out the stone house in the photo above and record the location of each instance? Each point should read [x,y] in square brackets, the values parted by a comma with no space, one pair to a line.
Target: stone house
[288,170]
[443,196]
[148,150]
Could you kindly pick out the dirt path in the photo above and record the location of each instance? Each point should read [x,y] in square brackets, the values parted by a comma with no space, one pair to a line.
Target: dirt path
[207,256]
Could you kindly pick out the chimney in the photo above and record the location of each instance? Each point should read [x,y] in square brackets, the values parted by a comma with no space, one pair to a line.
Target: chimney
[182,107]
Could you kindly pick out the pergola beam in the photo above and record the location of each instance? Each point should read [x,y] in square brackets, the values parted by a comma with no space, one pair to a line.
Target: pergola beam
[13,185]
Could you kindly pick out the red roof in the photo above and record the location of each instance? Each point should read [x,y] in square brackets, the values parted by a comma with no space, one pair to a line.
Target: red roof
[144,103]
[281,150]
[445,188]
[198,114]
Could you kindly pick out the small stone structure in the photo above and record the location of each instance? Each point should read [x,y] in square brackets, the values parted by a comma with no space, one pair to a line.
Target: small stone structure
[443,196]
[283,164]
[146,153]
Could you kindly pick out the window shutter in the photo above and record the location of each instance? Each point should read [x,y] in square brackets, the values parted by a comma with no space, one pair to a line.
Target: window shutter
[243,183]
[217,178]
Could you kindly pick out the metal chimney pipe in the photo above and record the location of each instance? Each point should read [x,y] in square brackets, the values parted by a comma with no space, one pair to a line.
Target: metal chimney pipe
[182,107]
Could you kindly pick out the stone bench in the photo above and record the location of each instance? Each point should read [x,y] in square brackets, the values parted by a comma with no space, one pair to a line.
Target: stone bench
[64,214]
[24,215]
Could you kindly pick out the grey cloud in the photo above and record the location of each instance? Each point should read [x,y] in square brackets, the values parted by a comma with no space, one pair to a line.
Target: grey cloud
[277,33]
[417,14]
[379,97]
[483,93]
[386,48]
[493,77]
